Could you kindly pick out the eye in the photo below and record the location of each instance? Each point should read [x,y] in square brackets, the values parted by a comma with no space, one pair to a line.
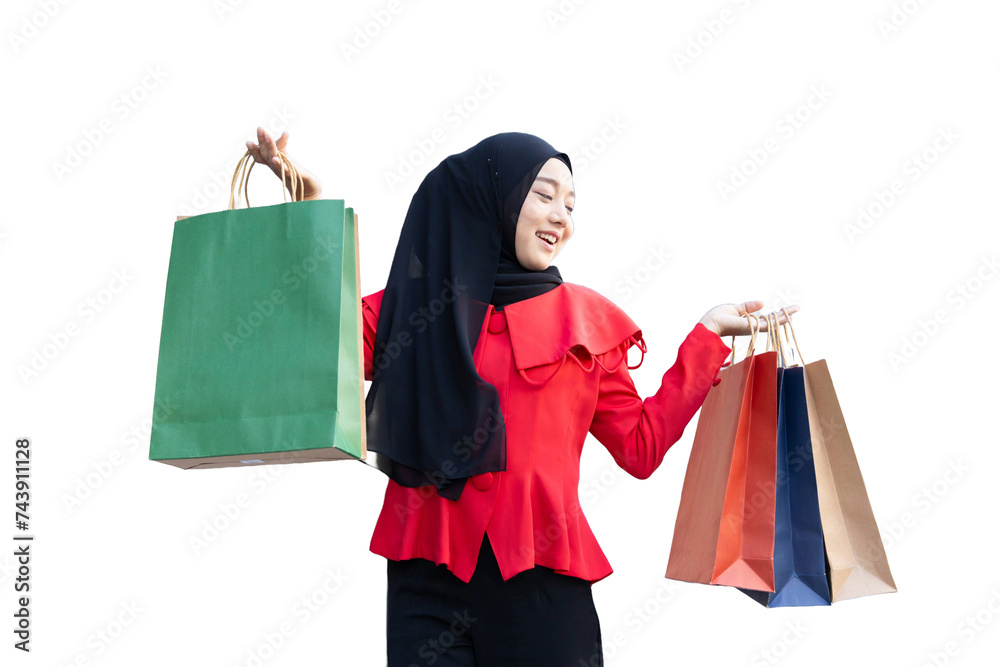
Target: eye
[549,197]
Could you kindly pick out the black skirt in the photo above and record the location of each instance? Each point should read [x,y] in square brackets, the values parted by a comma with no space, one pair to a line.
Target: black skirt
[537,617]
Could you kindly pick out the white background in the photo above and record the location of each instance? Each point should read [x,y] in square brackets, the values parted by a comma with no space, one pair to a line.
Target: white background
[90,190]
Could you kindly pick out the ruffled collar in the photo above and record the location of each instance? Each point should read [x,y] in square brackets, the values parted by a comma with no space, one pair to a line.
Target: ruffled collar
[569,321]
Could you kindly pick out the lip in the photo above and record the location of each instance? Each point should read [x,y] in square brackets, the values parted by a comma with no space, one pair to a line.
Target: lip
[555,234]
[545,244]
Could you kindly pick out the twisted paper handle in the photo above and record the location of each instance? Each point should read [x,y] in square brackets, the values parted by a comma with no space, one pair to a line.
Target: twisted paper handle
[788,320]
[772,325]
[298,184]
[773,337]
[754,328]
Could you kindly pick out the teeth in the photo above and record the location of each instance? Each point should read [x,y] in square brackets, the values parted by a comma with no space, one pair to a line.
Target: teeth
[547,237]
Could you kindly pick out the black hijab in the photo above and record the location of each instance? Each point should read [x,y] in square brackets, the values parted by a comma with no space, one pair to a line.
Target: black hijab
[431,418]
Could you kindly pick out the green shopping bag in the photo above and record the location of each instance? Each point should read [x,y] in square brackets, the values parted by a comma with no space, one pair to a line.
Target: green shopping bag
[260,357]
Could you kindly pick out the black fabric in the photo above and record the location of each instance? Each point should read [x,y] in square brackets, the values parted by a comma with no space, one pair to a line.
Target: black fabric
[431,419]
[537,618]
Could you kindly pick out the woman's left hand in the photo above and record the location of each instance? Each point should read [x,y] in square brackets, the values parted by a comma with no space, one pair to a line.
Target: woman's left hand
[727,319]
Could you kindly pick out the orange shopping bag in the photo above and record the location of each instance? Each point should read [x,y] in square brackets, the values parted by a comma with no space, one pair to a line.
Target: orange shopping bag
[724,532]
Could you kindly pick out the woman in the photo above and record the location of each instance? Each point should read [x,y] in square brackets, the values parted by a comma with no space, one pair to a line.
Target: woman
[487,367]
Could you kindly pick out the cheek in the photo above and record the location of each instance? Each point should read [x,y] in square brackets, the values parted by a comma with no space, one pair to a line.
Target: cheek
[523,237]
[524,245]
[535,209]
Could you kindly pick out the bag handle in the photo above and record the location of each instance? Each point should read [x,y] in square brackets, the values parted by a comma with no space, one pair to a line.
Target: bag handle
[298,185]
[784,349]
[754,328]
[772,326]
[788,321]
[770,337]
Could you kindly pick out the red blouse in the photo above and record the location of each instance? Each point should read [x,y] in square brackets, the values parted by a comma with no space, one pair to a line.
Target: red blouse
[531,511]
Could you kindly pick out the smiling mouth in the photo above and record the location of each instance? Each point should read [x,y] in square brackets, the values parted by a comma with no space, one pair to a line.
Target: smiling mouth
[548,244]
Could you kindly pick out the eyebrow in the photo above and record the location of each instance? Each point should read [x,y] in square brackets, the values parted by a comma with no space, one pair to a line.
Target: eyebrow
[554,183]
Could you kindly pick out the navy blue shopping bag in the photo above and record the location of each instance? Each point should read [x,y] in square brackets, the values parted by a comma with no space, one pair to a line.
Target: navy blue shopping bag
[800,569]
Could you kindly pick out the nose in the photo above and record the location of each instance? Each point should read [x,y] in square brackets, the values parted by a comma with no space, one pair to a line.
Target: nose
[561,217]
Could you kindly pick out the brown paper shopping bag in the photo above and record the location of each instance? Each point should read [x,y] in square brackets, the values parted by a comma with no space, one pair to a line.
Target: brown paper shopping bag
[857,561]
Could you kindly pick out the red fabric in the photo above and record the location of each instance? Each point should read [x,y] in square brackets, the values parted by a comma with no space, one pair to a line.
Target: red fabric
[559,363]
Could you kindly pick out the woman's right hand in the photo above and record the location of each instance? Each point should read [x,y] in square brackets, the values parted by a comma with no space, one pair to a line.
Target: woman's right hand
[265,151]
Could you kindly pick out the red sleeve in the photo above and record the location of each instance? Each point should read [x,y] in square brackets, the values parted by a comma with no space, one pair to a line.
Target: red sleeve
[369,314]
[638,432]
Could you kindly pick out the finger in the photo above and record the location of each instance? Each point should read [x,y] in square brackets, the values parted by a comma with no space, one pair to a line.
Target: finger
[762,321]
[750,306]
[261,148]
[282,141]
[266,150]
[272,152]
[254,151]
[791,310]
